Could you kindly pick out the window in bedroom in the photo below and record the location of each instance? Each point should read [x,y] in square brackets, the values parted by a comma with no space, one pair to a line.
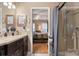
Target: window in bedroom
[44,27]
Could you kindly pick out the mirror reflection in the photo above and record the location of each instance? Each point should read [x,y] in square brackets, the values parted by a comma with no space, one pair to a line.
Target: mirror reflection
[9,20]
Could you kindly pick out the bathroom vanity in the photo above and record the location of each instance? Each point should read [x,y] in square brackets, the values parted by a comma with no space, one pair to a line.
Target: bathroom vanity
[14,45]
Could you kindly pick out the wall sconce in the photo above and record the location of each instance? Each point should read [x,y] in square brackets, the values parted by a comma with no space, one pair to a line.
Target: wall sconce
[37,17]
[9,7]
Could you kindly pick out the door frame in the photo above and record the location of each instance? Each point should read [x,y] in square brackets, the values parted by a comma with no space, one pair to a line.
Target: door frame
[48,26]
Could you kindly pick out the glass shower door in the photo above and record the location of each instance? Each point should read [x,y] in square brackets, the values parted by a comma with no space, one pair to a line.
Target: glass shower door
[68,31]
[71,29]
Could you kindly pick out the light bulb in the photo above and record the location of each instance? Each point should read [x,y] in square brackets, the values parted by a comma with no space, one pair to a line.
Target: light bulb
[9,7]
[10,3]
[37,17]
[5,3]
[13,6]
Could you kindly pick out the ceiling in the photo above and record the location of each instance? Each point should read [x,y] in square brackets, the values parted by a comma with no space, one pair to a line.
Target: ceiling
[34,4]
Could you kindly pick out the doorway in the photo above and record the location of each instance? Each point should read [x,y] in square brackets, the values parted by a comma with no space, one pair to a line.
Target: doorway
[40,30]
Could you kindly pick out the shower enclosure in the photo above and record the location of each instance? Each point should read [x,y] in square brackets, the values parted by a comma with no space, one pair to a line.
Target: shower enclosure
[68,31]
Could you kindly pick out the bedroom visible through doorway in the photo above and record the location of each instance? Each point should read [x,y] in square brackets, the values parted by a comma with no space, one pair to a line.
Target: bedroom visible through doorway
[40,30]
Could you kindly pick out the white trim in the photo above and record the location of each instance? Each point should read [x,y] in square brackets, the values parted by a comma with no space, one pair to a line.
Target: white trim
[32,34]
[48,30]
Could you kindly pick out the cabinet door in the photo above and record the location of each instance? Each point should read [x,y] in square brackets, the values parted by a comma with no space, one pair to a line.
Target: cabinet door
[20,44]
[19,52]
[11,48]
[2,51]
[25,45]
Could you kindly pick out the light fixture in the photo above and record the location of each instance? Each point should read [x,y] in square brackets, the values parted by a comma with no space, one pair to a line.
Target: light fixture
[9,7]
[13,6]
[5,3]
[37,17]
[10,3]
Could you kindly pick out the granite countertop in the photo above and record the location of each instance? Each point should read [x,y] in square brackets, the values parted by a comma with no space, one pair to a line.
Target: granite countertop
[10,39]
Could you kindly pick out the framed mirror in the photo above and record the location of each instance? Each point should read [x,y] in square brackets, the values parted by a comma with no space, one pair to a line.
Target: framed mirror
[21,21]
[10,20]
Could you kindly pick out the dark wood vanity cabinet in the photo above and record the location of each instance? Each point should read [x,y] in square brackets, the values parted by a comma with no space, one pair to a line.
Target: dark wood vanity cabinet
[17,48]
[11,49]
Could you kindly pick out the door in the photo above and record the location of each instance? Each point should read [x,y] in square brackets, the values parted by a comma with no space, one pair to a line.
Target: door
[68,30]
